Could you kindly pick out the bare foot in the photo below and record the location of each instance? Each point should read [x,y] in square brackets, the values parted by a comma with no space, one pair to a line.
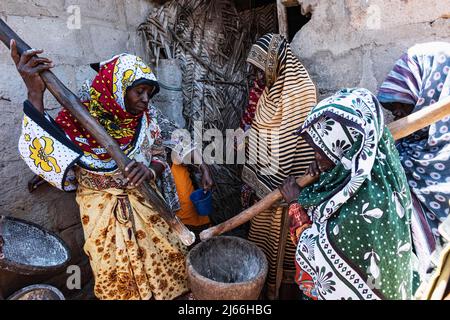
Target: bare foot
[185,296]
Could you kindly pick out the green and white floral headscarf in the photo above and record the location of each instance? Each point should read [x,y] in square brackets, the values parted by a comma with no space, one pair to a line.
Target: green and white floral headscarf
[334,126]
[359,246]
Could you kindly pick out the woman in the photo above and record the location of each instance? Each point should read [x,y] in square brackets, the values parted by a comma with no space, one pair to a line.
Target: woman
[182,174]
[274,152]
[420,78]
[133,252]
[354,242]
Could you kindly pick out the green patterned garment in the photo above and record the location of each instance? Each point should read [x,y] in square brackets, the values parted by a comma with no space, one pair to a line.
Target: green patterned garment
[359,246]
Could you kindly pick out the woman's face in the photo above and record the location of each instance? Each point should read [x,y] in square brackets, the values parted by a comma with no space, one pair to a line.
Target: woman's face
[137,98]
[398,109]
[323,162]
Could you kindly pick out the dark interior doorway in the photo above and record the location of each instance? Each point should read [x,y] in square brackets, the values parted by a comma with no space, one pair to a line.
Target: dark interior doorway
[296,20]
[251,4]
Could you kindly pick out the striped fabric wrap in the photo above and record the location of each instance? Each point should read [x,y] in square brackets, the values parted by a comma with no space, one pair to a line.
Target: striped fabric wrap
[274,151]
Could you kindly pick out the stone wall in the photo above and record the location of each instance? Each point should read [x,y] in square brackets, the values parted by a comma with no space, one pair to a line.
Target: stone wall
[107,28]
[351,43]
[346,43]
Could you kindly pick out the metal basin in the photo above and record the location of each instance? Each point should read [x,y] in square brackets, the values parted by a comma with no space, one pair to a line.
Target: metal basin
[29,253]
[38,292]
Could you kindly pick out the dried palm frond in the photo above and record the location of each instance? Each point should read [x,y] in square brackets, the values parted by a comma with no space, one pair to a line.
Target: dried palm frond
[211,40]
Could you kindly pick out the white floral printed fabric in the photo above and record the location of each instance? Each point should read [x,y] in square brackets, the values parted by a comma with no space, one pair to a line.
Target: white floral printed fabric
[47,151]
[359,246]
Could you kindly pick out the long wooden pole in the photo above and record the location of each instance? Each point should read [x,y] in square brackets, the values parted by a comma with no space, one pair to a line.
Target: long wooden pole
[399,129]
[71,102]
[420,119]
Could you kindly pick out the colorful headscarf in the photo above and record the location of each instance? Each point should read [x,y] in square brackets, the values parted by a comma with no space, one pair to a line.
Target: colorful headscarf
[359,246]
[420,78]
[274,151]
[333,127]
[107,105]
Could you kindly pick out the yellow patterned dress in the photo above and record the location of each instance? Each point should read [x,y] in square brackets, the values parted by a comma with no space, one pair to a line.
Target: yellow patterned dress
[133,252]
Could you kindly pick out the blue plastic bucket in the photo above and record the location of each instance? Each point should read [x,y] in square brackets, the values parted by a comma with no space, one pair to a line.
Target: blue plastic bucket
[202,202]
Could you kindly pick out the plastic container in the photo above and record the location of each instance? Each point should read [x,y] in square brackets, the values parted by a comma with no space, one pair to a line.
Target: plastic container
[202,202]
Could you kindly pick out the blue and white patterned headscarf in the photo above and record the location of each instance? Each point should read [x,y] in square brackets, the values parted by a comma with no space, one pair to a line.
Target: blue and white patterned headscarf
[421,78]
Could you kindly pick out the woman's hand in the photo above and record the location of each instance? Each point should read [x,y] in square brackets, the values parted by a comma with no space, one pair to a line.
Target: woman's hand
[290,189]
[136,173]
[207,181]
[29,67]
[313,169]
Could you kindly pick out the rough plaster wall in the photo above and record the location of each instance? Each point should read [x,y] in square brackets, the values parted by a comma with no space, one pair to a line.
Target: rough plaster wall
[356,42]
[107,28]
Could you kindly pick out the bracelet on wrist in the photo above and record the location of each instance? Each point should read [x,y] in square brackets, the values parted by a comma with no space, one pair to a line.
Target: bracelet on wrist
[153,173]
